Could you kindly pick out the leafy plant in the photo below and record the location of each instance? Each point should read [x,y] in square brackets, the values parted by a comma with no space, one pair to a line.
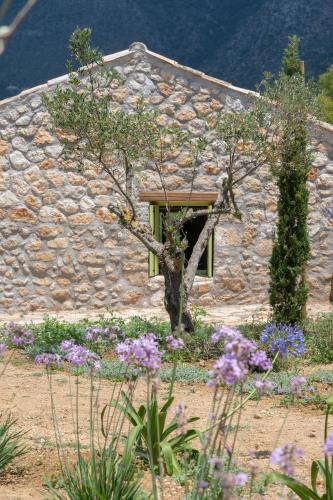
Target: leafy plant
[323,468]
[155,439]
[10,442]
[104,476]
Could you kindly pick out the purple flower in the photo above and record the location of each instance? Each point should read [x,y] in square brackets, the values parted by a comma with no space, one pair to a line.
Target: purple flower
[262,386]
[67,345]
[143,353]
[216,464]
[224,333]
[19,336]
[241,479]
[228,369]
[328,445]
[284,458]
[49,360]
[240,356]
[3,349]
[328,211]
[202,485]
[173,344]
[283,339]
[80,356]
[181,418]
[95,334]
[230,480]
[260,360]
[297,385]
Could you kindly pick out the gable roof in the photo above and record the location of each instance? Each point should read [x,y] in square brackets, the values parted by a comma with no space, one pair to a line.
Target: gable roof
[141,48]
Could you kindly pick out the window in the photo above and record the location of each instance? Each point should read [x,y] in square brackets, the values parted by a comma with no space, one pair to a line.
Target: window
[192,229]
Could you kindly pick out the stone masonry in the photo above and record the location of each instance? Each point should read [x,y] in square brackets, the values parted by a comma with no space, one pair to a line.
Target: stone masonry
[61,249]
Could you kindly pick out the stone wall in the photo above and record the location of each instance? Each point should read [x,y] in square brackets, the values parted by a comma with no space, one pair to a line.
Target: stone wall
[60,248]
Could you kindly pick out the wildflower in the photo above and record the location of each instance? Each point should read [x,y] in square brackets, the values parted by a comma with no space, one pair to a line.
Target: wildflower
[66,345]
[297,385]
[228,369]
[217,467]
[19,336]
[95,334]
[49,360]
[229,481]
[181,418]
[202,485]
[143,353]
[3,349]
[263,386]
[80,356]
[260,360]
[224,332]
[284,458]
[328,445]
[174,344]
[283,339]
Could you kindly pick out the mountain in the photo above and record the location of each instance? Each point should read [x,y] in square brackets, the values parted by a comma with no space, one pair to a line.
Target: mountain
[236,40]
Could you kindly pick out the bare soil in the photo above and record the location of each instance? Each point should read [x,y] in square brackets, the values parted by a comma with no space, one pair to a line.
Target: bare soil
[24,391]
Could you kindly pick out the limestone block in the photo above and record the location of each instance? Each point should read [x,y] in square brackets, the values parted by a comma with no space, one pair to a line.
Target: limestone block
[58,243]
[61,294]
[51,214]
[264,248]
[165,89]
[32,202]
[8,199]
[18,161]
[43,137]
[3,148]
[93,258]
[22,215]
[47,164]
[80,219]
[67,206]
[185,114]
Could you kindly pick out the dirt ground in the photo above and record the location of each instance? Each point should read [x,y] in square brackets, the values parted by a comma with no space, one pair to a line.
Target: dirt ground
[24,391]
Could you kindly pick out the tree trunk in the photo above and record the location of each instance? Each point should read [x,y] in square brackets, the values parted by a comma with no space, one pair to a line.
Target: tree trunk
[174,298]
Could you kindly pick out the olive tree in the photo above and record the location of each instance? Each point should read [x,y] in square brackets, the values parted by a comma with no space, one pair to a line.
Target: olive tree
[124,145]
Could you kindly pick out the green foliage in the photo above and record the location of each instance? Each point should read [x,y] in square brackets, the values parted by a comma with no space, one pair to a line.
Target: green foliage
[156,440]
[105,476]
[10,442]
[295,102]
[319,338]
[325,99]
[291,63]
[51,332]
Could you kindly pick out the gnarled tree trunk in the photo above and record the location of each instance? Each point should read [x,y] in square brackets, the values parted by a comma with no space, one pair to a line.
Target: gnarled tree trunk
[176,298]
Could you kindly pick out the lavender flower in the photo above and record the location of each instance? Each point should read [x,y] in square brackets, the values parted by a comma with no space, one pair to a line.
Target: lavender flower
[328,211]
[19,336]
[67,345]
[328,445]
[283,339]
[80,356]
[260,360]
[240,356]
[181,418]
[216,464]
[173,344]
[3,349]
[284,458]
[202,485]
[96,333]
[297,385]
[228,369]
[49,360]
[263,386]
[143,353]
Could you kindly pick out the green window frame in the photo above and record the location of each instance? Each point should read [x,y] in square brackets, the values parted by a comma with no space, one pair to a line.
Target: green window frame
[154,220]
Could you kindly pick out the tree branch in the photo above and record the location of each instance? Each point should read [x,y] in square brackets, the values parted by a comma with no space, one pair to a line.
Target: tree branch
[15,23]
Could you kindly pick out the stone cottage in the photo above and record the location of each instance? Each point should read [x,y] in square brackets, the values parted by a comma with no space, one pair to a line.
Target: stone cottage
[60,248]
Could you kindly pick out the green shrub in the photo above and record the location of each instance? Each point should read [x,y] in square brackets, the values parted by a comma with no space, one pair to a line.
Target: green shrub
[10,442]
[319,338]
[51,332]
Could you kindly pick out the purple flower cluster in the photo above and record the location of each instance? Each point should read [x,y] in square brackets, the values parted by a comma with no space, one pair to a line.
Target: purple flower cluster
[49,360]
[283,339]
[173,344]
[228,479]
[78,355]
[143,353]
[240,355]
[3,349]
[263,386]
[19,336]
[328,445]
[328,211]
[298,385]
[96,333]
[284,457]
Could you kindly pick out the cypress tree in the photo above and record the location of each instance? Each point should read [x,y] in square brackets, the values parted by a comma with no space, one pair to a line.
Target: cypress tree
[288,289]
